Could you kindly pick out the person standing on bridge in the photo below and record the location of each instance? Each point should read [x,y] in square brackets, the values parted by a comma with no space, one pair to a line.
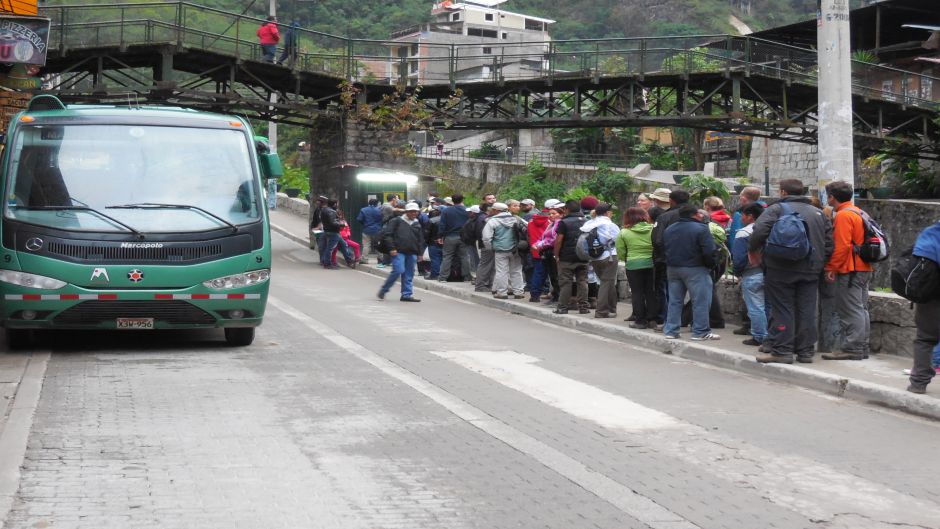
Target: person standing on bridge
[268,37]
[290,44]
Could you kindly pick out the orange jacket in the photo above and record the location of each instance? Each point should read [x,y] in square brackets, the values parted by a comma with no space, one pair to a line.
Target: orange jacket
[848,230]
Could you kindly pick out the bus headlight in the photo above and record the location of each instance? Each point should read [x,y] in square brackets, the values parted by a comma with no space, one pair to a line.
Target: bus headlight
[30,280]
[238,280]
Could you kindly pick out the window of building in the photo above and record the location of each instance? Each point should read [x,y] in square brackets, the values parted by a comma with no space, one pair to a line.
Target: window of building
[414,49]
[478,32]
[534,25]
[487,51]
[455,17]
[505,35]
[414,67]
[403,52]
[488,17]
[926,88]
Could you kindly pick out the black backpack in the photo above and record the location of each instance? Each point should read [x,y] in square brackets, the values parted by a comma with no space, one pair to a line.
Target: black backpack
[380,245]
[468,234]
[874,247]
[915,278]
[521,234]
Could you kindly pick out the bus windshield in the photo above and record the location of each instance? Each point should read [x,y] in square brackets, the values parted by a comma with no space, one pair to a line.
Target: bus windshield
[82,178]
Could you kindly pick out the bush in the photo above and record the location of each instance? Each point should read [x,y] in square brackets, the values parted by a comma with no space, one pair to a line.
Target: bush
[608,185]
[296,177]
[534,183]
[487,151]
[701,187]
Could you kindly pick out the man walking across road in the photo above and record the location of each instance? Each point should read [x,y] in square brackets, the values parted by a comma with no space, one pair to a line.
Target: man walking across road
[690,255]
[849,273]
[452,220]
[794,240]
[571,269]
[501,236]
[405,240]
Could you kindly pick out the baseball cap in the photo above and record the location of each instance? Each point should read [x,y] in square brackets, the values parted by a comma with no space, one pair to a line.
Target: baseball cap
[500,206]
[449,201]
[412,206]
[528,202]
[553,203]
[474,209]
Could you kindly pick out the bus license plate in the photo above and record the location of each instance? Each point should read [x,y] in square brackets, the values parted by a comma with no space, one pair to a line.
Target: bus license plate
[135,323]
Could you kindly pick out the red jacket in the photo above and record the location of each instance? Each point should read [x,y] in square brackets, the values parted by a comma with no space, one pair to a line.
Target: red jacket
[537,227]
[721,217]
[268,34]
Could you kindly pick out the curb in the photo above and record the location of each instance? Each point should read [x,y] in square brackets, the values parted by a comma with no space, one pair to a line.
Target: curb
[847,388]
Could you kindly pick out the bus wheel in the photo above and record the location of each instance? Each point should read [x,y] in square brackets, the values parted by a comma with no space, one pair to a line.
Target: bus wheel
[19,338]
[239,336]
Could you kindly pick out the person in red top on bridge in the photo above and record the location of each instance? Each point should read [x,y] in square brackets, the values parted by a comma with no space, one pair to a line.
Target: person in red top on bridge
[268,37]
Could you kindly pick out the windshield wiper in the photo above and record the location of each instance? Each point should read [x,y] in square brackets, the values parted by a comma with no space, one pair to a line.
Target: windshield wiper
[150,205]
[136,232]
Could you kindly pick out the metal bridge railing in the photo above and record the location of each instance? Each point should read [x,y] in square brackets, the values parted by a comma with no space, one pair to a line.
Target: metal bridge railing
[407,61]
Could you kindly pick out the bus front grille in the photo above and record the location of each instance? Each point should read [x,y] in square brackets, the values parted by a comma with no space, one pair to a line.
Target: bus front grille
[176,253]
[168,311]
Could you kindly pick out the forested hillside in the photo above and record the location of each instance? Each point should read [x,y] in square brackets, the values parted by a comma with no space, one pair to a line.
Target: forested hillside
[575,18]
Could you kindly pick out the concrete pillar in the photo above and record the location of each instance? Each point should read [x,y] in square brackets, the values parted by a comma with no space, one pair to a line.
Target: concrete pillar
[835,93]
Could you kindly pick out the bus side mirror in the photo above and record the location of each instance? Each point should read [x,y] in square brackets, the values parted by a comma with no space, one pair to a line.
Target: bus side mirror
[270,164]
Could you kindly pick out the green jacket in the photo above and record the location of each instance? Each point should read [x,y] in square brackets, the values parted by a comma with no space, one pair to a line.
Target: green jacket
[635,246]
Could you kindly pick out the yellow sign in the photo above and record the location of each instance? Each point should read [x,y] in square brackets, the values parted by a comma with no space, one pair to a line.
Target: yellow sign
[19,7]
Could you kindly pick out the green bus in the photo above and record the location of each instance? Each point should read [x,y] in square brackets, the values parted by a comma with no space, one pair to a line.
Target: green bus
[133,218]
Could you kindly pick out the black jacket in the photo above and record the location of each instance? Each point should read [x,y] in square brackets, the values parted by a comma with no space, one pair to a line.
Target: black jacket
[405,237]
[819,230]
[688,242]
[330,220]
[570,227]
[479,223]
[663,221]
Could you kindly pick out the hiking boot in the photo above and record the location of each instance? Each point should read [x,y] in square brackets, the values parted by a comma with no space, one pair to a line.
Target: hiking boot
[409,298]
[842,356]
[380,295]
[584,311]
[751,341]
[639,325]
[742,331]
[604,315]
[658,327]
[631,318]
[534,299]
[768,358]
[519,296]
[920,390]
[500,296]
[560,310]
[804,359]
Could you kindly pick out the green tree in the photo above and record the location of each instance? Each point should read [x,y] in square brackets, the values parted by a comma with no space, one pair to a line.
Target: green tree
[535,183]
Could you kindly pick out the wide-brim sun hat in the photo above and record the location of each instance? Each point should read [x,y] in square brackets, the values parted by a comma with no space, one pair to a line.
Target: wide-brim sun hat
[412,206]
[661,194]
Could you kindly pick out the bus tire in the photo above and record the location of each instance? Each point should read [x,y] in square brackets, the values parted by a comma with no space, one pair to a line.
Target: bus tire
[19,338]
[239,336]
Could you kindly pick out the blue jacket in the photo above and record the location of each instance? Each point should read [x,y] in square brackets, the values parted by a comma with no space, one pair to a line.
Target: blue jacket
[371,219]
[928,243]
[741,264]
[689,243]
[737,224]
[452,219]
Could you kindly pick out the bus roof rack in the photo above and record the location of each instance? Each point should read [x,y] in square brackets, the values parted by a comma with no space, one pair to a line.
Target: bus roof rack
[45,102]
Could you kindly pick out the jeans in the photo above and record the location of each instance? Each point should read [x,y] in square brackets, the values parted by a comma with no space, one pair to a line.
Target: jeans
[508,277]
[436,253]
[697,281]
[551,268]
[851,301]
[328,242]
[792,298]
[403,266]
[454,248]
[606,270]
[752,289]
[268,51]
[927,320]
[537,281]
[571,273]
[935,361]
[643,295]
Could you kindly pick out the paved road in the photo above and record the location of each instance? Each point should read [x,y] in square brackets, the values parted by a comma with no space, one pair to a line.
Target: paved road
[349,412]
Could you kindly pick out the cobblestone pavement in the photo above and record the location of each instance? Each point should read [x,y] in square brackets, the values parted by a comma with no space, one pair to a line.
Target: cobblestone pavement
[353,413]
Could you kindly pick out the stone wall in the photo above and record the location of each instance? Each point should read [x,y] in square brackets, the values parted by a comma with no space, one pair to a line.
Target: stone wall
[902,221]
[785,159]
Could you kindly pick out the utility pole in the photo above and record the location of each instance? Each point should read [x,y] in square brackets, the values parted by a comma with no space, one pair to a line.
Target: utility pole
[835,93]
[272,126]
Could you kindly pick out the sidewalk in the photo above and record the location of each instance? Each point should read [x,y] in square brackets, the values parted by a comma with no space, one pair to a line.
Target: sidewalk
[878,380]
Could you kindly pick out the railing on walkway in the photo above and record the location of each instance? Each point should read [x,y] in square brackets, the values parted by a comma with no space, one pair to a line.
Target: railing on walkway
[398,61]
[616,162]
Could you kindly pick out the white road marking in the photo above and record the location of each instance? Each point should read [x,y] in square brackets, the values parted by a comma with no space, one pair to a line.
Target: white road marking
[636,505]
[518,371]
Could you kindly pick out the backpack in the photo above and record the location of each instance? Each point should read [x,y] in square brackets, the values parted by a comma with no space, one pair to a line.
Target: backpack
[468,233]
[521,234]
[380,245]
[915,278]
[874,247]
[788,239]
[590,247]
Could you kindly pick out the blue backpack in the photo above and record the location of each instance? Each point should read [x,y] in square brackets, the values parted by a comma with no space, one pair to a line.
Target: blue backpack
[788,239]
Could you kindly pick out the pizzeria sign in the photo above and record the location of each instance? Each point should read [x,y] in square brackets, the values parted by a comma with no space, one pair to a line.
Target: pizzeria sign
[24,40]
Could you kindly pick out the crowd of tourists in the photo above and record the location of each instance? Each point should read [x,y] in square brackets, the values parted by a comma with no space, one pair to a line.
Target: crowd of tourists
[799,263]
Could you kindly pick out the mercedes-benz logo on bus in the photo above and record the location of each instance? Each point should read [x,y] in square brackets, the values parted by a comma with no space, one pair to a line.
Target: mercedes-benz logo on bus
[34,244]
